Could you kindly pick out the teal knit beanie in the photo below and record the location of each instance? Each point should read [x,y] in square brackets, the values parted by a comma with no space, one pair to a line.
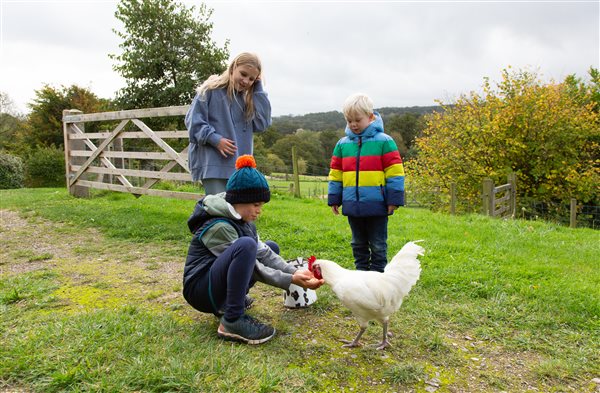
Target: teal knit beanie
[247,184]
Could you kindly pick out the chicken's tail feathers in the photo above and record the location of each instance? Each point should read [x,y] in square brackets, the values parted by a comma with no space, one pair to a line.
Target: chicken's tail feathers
[411,249]
[406,264]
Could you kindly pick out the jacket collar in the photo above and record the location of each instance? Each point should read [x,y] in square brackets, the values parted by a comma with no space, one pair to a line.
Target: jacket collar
[375,127]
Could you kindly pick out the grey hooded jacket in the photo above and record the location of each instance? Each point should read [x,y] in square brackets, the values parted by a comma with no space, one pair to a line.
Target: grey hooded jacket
[216,225]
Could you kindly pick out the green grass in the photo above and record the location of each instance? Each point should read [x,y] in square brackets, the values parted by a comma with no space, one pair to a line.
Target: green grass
[310,186]
[500,306]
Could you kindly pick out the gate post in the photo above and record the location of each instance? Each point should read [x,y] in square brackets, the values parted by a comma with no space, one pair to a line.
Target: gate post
[70,145]
[488,197]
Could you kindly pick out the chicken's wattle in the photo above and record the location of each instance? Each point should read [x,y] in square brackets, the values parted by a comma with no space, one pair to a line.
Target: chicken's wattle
[315,269]
[317,272]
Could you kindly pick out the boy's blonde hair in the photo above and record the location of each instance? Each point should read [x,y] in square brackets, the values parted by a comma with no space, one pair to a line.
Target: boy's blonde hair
[225,81]
[358,104]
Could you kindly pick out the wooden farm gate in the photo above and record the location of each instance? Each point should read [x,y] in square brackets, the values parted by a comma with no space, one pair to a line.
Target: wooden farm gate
[98,159]
[500,201]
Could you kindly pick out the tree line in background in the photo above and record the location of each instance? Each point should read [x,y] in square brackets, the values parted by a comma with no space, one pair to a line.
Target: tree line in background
[548,133]
[315,134]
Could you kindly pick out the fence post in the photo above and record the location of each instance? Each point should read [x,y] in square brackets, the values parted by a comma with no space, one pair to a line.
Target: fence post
[488,197]
[296,174]
[70,145]
[512,180]
[573,218]
[452,198]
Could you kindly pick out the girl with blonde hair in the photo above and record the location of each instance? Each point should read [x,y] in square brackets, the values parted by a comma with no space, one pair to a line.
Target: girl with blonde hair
[223,116]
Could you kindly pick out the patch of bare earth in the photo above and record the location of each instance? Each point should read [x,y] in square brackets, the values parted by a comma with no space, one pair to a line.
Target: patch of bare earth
[86,257]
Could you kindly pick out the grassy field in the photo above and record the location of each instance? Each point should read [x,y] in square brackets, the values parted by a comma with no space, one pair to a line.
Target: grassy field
[90,300]
[310,186]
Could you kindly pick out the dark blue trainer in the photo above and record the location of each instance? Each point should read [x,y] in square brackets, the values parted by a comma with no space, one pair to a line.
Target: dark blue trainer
[245,329]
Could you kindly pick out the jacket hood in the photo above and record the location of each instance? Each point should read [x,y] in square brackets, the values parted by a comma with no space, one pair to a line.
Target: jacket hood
[217,206]
[211,206]
[375,127]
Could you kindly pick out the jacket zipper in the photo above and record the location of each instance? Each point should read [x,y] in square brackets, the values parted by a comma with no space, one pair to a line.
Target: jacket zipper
[358,165]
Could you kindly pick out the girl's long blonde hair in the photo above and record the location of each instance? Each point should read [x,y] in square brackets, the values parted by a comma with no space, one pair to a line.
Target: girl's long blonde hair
[225,81]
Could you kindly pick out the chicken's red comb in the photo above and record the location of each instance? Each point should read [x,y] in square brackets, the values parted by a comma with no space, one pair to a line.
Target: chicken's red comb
[311,260]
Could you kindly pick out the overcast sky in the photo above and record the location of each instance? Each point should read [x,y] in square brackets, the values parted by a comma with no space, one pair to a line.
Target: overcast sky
[316,53]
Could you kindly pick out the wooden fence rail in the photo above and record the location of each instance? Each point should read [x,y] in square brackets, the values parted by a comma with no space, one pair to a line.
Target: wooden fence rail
[90,158]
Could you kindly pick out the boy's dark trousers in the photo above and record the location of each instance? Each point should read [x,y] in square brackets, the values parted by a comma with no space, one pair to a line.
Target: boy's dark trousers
[369,242]
[231,276]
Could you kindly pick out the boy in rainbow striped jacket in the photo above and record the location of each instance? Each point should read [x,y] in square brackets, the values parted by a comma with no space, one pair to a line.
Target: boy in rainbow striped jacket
[366,179]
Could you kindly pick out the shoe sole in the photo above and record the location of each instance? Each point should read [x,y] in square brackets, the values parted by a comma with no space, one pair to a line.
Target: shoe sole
[235,337]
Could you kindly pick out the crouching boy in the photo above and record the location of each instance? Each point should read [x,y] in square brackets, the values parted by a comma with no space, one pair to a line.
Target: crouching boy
[226,257]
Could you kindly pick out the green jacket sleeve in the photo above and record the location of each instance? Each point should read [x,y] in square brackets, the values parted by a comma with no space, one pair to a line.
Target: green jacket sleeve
[219,237]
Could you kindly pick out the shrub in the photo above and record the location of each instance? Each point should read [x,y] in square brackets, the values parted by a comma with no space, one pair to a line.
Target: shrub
[11,171]
[45,168]
[544,132]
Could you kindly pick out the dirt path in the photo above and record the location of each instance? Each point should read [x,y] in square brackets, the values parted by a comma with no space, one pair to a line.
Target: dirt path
[84,256]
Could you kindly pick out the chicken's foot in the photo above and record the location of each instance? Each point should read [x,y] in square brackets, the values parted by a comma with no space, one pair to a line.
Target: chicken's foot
[354,343]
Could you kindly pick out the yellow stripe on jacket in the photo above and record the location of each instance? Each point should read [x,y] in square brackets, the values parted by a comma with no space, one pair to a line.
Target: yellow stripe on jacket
[366,178]
[394,170]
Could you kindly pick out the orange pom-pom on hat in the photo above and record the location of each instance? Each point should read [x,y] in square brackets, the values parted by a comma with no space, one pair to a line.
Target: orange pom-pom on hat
[247,184]
[245,161]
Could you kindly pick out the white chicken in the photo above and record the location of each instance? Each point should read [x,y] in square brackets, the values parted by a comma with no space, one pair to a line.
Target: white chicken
[372,295]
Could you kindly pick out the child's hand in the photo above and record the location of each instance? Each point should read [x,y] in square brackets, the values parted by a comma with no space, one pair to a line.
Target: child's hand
[391,209]
[335,209]
[306,279]
[226,147]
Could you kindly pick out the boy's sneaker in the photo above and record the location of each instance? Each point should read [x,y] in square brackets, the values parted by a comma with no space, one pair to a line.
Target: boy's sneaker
[248,302]
[245,329]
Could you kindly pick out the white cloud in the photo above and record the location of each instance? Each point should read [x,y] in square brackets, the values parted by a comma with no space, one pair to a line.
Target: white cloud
[316,53]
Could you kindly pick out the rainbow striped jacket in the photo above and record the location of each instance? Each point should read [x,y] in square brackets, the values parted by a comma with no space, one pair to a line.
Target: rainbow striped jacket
[366,172]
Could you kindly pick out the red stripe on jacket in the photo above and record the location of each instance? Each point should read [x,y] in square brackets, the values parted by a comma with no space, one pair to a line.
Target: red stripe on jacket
[367,163]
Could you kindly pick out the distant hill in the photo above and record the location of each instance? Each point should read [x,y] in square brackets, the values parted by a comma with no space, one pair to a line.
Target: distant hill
[334,120]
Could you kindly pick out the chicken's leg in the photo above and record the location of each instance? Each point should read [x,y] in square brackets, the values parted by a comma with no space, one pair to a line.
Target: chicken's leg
[354,343]
[385,343]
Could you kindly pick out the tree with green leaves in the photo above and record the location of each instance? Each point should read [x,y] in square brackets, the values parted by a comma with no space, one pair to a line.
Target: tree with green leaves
[11,122]
[38,138]
[269,136]
[328,139]
[167,52]
[44,125]
[405,128]
[548,134]
[308,147]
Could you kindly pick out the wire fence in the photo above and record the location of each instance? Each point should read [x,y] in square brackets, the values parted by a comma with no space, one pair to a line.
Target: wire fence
[587,216]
